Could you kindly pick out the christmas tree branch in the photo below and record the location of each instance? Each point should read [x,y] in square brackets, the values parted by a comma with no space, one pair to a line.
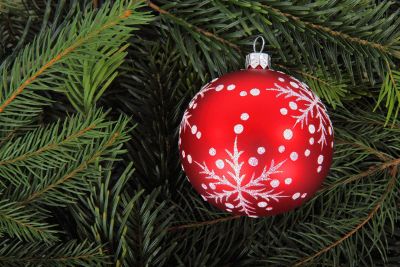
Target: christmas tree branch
[389,188]
[24,224]
[79,42]
[64,254]
[59,58]
[48,147]
[191,26]
[379,167]
[333,33]
[81,167]
[204,223]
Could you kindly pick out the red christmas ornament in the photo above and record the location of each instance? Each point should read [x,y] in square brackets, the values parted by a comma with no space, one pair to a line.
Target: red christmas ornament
[256,142]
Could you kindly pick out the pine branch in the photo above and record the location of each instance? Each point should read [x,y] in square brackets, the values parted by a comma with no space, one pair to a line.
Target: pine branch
[391,91]
[372,213]
[32,71]
[335,33]
[24,224]
[63,184]
[191,26]
[36,254]
[204,223]
[104,213]
[49,147]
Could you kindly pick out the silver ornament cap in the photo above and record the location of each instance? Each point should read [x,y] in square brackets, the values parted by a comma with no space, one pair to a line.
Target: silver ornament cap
[255,59]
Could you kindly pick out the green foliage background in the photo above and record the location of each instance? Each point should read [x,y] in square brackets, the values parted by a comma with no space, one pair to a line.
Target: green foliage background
[91,96]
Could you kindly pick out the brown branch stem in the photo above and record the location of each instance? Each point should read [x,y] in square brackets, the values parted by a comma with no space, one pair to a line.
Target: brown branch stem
[198,29]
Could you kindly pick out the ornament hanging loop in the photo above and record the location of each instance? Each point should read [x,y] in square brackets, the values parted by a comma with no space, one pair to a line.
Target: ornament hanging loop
[262,44]
[258,59]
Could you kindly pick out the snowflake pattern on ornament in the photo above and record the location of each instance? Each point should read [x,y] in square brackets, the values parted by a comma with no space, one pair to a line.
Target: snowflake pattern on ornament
[192,105]
[314,107]
[234,192]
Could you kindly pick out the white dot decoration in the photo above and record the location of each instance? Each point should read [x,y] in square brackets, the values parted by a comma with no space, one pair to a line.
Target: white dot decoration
[288,180]
[195,105]
[212,186]
[296,196]
[294,156]
[244,116]
[261,150]
[198,135]
[255,92]
[292,105]
[311,140]
[304,195]
[281,149]
[262,204]
[253,161]
[229,205]
[183,153]
[243,93]
[320,159]
[307,152]
[288,134]
[311,128]
[238,129]
[281,79]
[204,198]
[220,163]
[189,158]
[332,144]
[274,183]
[214,80]
[231,87]
[219,87]
[319,168]
[295,85]
[228,210]
[269,208]
[330,130]
[194,129]
[204,186]
[283,111]
[212,151]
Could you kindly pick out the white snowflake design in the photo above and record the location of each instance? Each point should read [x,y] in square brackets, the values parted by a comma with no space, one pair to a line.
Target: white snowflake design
[235,191]
[192,105]
[312,101]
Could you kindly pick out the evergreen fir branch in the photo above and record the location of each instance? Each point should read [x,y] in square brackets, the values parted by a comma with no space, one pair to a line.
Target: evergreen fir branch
[335,33]
[371,214]
[203,223]
[6,5]
[38,66]
[103,214]
[371,171]
[49,147]
[334,47]
[200,44]
[73,176]
[152,88]
[147,229]
[71,254]
[24,224]
[191,26]
[391,91]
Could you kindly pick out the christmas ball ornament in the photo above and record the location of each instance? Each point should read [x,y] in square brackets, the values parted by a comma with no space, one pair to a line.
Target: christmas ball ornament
[256,142]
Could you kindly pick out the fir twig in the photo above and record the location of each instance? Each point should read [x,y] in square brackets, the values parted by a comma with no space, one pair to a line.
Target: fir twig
[374,211]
